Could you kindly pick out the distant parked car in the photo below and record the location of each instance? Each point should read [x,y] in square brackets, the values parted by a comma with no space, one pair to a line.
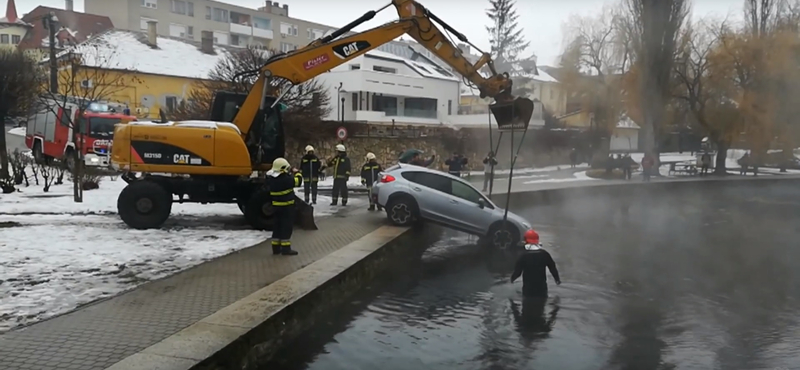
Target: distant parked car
[412,193]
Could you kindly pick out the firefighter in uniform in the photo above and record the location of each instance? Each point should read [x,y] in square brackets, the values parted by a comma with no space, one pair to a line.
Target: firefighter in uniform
[281,189]
[310,167]
[369,174]
[341,173]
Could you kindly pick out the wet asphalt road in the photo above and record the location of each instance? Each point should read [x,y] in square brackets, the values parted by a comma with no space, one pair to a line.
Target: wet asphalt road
[698,280]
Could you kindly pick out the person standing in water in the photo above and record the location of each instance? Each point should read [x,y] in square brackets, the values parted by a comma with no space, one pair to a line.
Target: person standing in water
[531,265]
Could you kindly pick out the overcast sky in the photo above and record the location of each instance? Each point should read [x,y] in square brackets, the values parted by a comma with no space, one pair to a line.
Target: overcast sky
[542,20]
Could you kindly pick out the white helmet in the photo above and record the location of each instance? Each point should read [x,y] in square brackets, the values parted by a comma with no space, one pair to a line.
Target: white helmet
[309,148]
[280,164]
[340,148]
[370,156]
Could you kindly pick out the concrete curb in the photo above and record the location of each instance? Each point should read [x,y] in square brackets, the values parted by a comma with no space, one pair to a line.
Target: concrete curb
[246,333]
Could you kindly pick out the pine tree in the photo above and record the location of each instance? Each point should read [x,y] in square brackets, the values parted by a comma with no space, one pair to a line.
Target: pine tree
[507,43]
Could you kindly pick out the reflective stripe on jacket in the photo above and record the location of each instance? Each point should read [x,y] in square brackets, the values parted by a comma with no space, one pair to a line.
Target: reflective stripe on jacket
[281,189]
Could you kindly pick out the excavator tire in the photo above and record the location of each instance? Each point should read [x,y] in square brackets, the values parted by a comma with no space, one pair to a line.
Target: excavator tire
[258,210]
[144,204]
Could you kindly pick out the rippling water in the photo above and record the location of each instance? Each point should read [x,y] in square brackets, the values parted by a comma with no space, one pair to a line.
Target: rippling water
[699,281]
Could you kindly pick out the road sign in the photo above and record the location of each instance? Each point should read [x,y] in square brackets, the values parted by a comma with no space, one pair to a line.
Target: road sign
[341,133]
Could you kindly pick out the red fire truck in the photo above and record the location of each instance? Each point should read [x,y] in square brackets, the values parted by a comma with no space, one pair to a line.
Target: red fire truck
[49,131]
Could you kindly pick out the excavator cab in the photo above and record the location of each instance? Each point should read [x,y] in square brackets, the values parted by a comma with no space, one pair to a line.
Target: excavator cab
[265,140]
[515,114]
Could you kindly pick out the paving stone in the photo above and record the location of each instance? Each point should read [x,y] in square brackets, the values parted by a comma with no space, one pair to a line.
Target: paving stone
[102,334]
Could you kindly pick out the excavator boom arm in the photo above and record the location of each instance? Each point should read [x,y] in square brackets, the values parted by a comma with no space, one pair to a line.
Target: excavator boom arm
[321,55]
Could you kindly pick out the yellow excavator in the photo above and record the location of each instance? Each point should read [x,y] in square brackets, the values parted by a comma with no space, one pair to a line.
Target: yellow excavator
[214,160]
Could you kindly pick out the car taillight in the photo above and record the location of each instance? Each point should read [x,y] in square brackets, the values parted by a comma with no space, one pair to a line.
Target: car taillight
[387,178]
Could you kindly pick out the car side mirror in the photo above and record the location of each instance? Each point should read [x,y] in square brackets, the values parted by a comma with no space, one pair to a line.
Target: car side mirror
[481,203]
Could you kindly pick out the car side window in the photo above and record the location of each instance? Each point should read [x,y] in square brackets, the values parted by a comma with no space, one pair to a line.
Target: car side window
[466,192]
[429,180]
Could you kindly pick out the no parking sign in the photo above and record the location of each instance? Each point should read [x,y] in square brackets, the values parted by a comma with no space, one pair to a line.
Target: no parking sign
[341,133]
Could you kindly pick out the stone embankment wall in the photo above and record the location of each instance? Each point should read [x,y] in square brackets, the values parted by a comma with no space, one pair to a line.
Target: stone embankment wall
[388,144]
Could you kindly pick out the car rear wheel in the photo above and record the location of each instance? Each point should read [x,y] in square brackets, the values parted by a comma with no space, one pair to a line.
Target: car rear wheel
[401,211]
[503,236]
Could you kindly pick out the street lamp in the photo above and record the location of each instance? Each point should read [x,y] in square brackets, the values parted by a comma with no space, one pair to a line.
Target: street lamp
[340,108]
[50,23]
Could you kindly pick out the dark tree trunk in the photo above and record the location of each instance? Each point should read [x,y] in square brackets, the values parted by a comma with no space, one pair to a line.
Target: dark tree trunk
[4,174]
[722,156]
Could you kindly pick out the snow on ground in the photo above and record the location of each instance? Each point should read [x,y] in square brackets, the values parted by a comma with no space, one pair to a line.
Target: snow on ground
[578,176]
[530,170]
[67,254]
[18,131]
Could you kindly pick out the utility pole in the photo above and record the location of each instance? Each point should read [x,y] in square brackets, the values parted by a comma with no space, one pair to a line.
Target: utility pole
[50,23]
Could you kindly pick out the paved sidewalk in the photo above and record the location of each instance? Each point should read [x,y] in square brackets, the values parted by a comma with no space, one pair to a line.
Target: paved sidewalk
[101,334]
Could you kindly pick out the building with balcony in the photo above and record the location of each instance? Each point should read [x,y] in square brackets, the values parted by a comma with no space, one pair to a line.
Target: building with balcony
[380,87]
[269,26]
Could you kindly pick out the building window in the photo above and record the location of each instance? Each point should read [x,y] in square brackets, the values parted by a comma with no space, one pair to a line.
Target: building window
[354,67]
[262,23]
[386,104]
[449,107]
[190,32]
[171,103]
[15,39]
[384,69]
[190,9]
[3,39]
[314,34]
[288,29]
[551,93]
[177,30]
[355,101]
[152,4]
[208,12]
[178,6]
[221,15]
[420,107]
[220,38]
[287,47]
[235,40]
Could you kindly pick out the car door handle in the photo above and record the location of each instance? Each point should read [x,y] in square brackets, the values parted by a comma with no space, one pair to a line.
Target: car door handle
[453,201]
[416,189]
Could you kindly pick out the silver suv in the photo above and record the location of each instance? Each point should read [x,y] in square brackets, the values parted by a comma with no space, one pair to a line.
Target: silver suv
[413,193]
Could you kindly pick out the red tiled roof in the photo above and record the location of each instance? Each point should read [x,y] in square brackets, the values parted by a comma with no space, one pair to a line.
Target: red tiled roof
[76,26]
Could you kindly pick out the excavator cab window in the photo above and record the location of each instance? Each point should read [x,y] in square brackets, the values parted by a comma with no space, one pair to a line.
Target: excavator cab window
[265,139]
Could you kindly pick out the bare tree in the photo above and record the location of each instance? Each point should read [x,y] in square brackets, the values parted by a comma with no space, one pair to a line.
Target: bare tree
[655,28]
[702,88]
[593,65]
[88,73]
[18,87]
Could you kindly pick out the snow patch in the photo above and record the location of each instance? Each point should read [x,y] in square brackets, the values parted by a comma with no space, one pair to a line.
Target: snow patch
[18,131]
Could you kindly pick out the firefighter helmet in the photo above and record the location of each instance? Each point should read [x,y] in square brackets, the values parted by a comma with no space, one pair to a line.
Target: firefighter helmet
[340,148]
[370,156]
[280,164]
[309,148]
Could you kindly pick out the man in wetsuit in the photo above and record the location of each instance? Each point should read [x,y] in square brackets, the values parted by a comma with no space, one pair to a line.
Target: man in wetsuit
[531,265]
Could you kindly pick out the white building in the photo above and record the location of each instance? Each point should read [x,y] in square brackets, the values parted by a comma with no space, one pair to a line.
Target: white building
[381,87]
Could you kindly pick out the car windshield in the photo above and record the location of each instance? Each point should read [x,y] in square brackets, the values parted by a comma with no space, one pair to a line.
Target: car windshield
[101,127]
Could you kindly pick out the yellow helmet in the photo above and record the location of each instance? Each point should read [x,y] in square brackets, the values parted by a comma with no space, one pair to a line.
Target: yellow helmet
[280,164]
[370,156]
[309,148]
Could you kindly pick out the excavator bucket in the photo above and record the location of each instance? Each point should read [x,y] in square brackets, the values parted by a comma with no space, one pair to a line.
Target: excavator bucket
[513,115]
[304,215]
